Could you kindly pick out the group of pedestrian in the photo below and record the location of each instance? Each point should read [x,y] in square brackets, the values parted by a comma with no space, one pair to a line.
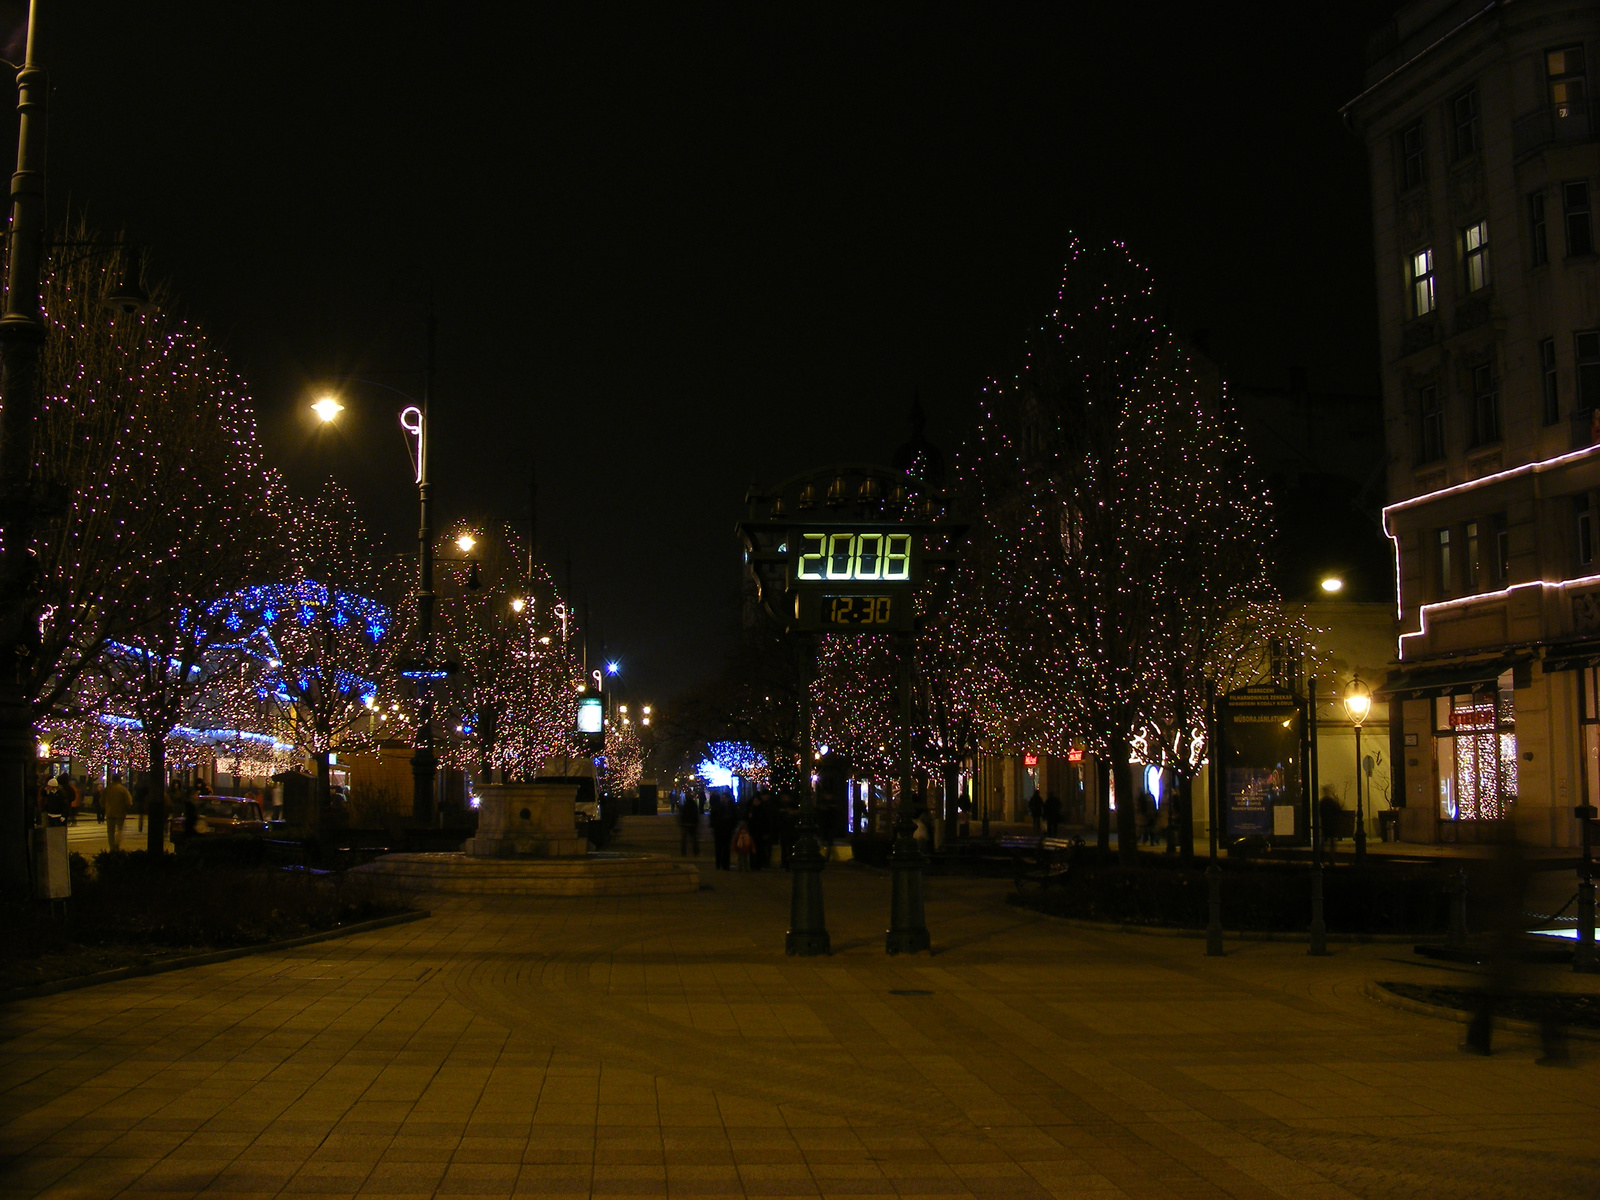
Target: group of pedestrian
[739,829]
[1045,811]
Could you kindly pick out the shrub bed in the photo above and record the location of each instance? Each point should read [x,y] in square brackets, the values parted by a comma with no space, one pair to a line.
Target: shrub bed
[1256,896]
[130,907]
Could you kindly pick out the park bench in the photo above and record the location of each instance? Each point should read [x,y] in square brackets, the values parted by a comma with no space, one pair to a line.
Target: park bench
[1043,861]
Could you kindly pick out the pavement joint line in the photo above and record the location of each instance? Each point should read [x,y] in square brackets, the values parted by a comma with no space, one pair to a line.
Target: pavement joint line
[50,987]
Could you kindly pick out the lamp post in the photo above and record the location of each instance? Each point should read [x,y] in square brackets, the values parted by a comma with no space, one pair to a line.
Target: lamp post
[22,332]
[414,424]
[1358,703]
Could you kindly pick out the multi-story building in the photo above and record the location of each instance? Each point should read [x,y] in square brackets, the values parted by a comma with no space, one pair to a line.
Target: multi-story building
[1485,173]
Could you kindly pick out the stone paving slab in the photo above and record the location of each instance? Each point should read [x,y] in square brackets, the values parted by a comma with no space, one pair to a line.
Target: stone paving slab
[664,1045]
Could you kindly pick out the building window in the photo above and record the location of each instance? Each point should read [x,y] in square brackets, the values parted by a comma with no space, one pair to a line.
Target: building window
[1411,156]
[1575,208]
[1464,122]
[1442,559]
[1476,746]
[1501,537]
[1547,381]
[1485,406]
[1420,274]
[1475,248]
[1586,352]
[1583,529]
[1564,69]
[1472,563]
[1432,424]
[1540,239]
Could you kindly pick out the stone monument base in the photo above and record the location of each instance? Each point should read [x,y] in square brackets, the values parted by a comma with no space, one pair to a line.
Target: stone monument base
[597,874]
[527,820]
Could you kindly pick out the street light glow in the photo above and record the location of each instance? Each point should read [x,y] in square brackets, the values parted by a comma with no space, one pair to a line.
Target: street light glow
[518,604]
[613,667]
[466,542]
[327,409]
[1332,584]
[1357,701]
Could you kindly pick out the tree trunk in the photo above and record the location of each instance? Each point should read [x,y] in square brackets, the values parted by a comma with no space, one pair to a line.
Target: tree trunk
[1186,818]
[1127,803]
[319,802]
[1102,787]
[156,800]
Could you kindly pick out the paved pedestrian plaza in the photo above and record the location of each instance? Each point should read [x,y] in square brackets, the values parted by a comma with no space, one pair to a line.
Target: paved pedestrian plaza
[666,1046]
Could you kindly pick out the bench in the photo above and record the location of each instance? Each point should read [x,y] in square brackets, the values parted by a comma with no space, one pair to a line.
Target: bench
[1041,862]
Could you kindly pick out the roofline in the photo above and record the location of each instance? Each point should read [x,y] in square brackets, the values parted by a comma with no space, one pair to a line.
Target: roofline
[1344,109]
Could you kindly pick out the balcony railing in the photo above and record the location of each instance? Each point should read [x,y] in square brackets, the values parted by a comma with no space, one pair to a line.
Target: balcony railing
[1570,122]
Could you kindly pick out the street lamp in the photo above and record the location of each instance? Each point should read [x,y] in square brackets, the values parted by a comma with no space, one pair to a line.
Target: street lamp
[414,424]
[466,542]
[1358,703]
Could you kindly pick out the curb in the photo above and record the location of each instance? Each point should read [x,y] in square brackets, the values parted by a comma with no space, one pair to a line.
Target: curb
[51,986]
[1379,994]
[1232,935]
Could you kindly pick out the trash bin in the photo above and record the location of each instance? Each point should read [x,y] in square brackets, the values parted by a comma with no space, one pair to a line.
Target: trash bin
[1389,824]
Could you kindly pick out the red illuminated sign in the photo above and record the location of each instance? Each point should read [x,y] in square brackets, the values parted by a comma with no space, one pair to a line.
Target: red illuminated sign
[1030,760]
[1074,755]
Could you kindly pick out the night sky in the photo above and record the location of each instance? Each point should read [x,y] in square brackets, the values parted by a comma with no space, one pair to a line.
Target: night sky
[676,250]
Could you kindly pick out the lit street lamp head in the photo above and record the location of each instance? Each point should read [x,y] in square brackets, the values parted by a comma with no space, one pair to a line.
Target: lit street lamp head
[327,409]
[466,542]
[1357,701]
[1333,585]
[518,604]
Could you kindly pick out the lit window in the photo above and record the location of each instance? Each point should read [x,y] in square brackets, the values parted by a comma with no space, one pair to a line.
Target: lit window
[1564,69]
[1536,231]
[1432,424]
[1586,352]
[1548,382]
[1421,276]
[1464,122]
[1575,208]
[1472,556]
[1411,155]
[1485,406]
[1444,578]
[1475,246]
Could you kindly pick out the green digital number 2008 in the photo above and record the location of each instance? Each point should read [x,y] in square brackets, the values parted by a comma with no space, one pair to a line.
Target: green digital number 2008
[858,556]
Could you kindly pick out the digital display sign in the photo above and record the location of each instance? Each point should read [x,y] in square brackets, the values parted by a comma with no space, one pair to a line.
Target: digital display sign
[857,557]
[858,610]
[591,715]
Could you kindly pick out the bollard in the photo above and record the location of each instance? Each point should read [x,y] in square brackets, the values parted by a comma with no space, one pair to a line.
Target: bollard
[908,928]
[808,932]
[1319,927]
[1214,906]
[1458,910]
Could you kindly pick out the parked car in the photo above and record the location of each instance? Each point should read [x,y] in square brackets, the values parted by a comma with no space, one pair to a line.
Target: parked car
[222,816]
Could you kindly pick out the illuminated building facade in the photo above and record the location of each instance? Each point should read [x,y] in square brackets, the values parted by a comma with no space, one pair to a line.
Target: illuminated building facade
[1485,171]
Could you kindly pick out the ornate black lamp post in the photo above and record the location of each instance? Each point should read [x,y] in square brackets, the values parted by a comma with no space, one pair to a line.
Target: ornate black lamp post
[1358,703]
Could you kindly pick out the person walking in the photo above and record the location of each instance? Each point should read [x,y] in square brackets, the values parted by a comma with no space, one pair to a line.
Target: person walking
[689,825]
[52,803]
[115,801]
[1052,813]
[744,845]
[1331,813]
[69,798]
[1147,819]
[759,822]
[1036,810]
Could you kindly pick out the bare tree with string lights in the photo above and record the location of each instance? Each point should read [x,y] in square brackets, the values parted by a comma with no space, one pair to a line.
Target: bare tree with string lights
[1109,544]
[322,638]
